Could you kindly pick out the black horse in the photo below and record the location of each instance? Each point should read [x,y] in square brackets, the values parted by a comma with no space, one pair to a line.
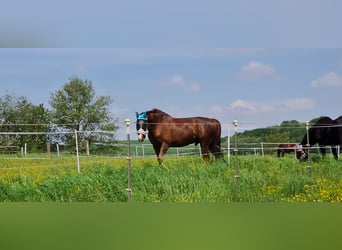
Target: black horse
[337,130]
[326,133]
[165,131]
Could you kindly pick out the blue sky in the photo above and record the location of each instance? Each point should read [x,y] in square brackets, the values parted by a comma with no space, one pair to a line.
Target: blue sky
[170,24]
[258,61]
[257,86]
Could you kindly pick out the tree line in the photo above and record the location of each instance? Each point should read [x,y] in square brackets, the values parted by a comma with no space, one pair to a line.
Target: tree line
[291,131]
[75,106]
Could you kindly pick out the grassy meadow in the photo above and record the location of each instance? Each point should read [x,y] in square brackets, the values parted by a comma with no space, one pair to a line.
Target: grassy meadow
[180,179]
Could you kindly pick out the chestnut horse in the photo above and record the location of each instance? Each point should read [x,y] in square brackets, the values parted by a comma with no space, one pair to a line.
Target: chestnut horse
[289,148]
[165,131]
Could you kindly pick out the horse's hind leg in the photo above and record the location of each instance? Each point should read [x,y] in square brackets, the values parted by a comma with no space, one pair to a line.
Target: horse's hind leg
[216,151]
[205,153]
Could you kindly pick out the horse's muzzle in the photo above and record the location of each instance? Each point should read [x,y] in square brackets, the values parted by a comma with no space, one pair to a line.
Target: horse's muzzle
[141,137]
[141,134]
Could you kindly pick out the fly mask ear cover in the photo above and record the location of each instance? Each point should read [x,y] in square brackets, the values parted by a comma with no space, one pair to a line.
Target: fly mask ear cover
[141,116]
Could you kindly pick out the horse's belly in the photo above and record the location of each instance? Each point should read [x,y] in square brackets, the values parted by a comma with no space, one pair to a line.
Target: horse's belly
[178,137]
[179,144]
[176,143]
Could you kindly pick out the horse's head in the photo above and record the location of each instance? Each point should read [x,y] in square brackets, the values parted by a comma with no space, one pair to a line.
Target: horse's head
[301,153]
[141,125]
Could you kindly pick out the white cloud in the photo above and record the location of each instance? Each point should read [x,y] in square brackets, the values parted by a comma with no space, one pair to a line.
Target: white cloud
[177,81]
[258,72]
[243,106]
[257,68]
[268,107]
[330,79]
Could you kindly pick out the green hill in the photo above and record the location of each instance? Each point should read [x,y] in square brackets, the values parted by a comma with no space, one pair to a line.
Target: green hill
[287,131]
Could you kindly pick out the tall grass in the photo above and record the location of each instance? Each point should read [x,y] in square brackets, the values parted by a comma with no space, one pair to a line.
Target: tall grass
[180,179]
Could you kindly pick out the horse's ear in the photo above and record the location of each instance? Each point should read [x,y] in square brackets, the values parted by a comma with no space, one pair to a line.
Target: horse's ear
[141,116]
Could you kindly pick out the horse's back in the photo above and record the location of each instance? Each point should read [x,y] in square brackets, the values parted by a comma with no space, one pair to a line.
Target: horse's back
[184,131]
[207,127]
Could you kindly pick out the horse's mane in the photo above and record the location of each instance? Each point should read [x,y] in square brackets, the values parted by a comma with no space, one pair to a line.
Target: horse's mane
[155,110]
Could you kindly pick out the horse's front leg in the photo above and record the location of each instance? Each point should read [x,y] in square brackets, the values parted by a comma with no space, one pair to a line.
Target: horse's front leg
[334,152]
[163,149]
[156,148]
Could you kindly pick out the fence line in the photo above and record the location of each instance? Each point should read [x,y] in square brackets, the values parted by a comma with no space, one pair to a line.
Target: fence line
[143,150]
[121,131]
[142,147]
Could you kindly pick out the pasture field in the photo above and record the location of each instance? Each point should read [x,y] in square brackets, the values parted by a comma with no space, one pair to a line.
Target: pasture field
[180,179]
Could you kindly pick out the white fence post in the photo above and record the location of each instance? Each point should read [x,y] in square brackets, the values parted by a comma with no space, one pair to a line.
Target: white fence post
[308,146]
[228,146]
[236,176]
[338,149]
[129,188]
[77,154]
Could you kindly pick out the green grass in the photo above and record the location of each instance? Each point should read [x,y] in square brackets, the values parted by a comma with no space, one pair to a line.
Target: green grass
[180,179]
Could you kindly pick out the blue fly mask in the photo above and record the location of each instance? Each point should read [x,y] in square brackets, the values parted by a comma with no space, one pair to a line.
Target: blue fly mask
[141,125]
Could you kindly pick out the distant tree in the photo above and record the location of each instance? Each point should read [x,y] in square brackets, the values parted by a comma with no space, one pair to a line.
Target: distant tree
[17,114]
[294,130]
[75,106]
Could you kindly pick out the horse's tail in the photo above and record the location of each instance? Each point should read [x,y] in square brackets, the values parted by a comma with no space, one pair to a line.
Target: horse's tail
[217,140]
